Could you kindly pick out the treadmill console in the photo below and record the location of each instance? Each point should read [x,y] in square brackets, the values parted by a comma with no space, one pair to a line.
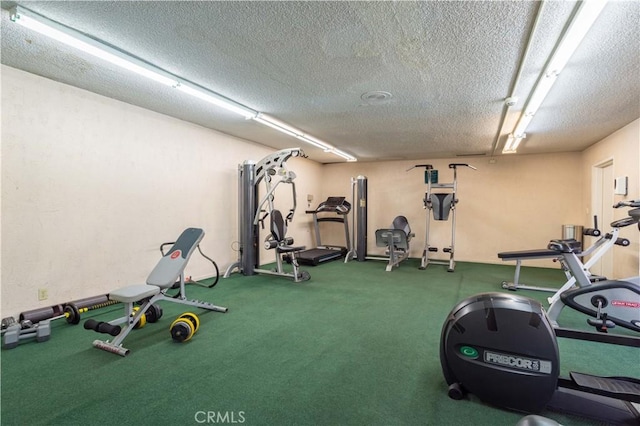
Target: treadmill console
[335,204]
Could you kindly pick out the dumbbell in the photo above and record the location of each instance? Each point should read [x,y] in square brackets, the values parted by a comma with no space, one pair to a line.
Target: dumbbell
[26,330]
[143,318]
[184,327]
[153,314]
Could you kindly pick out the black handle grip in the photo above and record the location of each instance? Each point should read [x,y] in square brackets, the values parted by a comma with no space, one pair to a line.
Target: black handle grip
[454,165]
[594,232]
[622,242]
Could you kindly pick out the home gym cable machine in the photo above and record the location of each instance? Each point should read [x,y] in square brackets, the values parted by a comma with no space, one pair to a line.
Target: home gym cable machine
[441,204]
[253,213]
[358,249]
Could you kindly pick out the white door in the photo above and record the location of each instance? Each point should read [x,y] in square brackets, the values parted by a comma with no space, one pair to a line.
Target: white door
[603,207]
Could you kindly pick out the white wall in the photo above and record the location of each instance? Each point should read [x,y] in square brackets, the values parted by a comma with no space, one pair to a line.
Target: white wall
[516,203]
[92,186]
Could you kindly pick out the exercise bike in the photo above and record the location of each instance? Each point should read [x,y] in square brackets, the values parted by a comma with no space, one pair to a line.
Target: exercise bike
[610,302]
[503,348]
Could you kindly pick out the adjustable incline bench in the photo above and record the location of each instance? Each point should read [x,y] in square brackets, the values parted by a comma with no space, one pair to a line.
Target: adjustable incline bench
[519,256]
[396,239]
[594,253]
[162,278]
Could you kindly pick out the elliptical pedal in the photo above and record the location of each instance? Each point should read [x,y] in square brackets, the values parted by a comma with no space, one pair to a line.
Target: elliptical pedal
[626,387]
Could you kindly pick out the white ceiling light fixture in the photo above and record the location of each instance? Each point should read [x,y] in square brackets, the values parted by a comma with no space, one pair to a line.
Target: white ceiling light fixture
[215,99]
[100,50]
[588,11]
[278,125]
[511,147]
[349,158]
[297,133]
[315,142]
[75,39]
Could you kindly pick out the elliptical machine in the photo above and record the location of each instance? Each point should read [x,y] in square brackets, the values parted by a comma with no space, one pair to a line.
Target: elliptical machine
[503,349]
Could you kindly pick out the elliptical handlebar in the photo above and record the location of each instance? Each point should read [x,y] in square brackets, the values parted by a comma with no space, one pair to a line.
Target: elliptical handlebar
[634,214]
[630,203]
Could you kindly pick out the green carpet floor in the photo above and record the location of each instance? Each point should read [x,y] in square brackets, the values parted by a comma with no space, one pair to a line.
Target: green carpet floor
[355,345]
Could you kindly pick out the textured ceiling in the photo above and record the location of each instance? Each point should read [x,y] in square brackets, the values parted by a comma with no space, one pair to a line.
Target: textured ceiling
[447,65]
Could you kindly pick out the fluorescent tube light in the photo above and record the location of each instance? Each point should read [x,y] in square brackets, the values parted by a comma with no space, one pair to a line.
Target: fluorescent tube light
[541,91]
[580,25]
[315,142]
[260,119]
[296,133]
[342,154]
[95,48]
[88,45]
[279,125]
[508,146]
[512,144]
[215,99]
[582,21]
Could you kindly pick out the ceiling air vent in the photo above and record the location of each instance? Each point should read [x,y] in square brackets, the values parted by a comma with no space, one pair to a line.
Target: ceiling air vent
[472,154]
[376,97]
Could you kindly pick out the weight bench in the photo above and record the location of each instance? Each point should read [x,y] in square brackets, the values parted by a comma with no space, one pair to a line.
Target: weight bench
[519,256]
[396,239]
[162,278]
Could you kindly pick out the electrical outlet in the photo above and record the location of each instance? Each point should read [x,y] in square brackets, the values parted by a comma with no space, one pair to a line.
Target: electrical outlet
[43,294]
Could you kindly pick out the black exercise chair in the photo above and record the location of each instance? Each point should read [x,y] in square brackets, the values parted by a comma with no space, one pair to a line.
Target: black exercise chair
[396,239]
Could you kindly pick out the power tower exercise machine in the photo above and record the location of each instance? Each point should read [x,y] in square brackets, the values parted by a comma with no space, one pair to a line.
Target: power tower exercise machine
[440,203]
[252,213]
[338,208]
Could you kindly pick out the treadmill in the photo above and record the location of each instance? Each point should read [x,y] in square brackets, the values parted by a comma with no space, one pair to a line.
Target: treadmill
[334,209]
